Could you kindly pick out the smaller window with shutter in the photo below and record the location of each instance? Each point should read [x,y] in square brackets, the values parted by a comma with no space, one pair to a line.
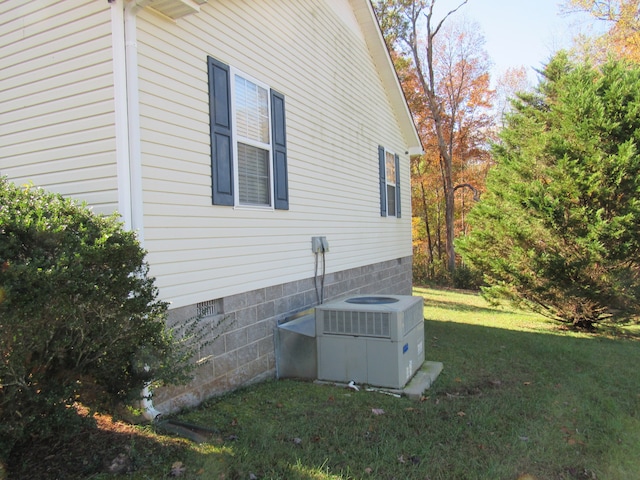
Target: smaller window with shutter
[390,170]
[389,183]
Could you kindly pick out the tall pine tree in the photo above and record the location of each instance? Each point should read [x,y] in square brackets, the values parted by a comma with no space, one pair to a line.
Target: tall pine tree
[558,230]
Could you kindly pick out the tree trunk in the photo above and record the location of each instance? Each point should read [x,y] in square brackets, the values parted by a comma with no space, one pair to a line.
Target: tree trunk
[449,220]
[429,87]
[426,77]
[439,228]
[426,223]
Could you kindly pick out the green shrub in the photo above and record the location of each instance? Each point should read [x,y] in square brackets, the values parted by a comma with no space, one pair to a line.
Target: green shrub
[79,316]
[466,278]
[429,273]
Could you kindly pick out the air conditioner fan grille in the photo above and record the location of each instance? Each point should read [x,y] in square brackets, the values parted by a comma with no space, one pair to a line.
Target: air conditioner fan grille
[354,323]
[413,317]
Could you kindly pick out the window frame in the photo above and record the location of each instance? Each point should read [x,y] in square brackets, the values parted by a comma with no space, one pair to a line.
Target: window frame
[384,183]
[237,138]
[390,183]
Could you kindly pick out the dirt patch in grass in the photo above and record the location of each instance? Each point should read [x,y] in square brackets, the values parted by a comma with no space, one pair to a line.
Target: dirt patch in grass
[106,445]
[480,387]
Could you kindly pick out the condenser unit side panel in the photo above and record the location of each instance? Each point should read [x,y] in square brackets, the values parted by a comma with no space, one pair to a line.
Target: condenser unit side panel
[393,364]
[383,365]
[412,354]
[342,359]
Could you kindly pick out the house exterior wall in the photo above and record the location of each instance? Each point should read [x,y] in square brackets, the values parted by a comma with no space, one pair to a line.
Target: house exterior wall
[241,328]
[254,267]
[257,266]
[56,97]
[337,113]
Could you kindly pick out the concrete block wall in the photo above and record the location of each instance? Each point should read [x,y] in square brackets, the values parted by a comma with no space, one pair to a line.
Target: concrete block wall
[239,330]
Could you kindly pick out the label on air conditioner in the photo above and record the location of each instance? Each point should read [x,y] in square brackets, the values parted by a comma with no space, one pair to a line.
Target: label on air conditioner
[405,349]
[419,348]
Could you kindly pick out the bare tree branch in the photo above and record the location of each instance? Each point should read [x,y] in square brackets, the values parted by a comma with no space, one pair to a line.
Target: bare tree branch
[441,22]
[476,192]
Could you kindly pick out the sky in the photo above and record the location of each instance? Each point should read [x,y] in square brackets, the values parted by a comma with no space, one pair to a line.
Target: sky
[522,32]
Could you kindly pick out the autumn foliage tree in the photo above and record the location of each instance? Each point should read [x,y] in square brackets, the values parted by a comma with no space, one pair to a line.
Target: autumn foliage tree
[513,81]
[443,70]
[622,39]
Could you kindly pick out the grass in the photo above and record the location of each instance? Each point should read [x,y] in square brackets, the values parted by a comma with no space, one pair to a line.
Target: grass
[518,396]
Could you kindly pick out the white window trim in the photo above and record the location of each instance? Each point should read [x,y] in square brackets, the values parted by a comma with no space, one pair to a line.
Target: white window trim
[236,138]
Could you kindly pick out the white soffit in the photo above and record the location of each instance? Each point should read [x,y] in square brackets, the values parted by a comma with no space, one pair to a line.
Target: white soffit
[174,8]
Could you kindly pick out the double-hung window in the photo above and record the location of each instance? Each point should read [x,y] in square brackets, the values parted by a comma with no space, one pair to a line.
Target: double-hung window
[389,183]
[248,140]
[250,106]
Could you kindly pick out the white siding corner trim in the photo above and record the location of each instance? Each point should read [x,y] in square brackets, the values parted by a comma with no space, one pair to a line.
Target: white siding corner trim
[127,113]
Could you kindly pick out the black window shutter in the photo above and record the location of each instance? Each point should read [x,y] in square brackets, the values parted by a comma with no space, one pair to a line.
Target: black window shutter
[220,127]
[397,159]
[280,181]
[383,182]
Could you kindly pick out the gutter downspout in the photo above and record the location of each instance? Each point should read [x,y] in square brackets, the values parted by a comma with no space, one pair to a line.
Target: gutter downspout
[131,9]
[133,113]
[121,116]
[127,120]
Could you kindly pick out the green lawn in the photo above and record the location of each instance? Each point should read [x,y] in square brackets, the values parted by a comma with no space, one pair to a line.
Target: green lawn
[518,398]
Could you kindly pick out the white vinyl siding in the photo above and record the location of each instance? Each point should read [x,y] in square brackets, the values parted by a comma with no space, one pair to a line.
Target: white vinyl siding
[337,113]
[56,89]
[57,128]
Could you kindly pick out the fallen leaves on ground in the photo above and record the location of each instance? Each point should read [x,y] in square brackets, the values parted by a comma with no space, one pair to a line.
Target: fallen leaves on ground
[120,464]
[414,459]
[572,436]
[177,469]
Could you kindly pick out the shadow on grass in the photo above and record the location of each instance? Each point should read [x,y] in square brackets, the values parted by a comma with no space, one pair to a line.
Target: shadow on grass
[101,449]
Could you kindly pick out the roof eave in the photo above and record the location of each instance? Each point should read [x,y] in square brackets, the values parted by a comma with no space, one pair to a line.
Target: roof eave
[363,10]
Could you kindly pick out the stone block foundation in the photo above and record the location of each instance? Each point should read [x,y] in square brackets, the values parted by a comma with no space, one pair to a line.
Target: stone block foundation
[238,341]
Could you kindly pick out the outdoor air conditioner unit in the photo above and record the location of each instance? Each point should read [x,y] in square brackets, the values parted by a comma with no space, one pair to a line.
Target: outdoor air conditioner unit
[374,340]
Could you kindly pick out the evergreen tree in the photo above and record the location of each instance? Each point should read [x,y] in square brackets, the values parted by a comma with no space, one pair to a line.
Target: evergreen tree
[558,230]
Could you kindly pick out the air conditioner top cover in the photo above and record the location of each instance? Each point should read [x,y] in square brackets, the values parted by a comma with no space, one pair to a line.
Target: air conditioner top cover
[389,316]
